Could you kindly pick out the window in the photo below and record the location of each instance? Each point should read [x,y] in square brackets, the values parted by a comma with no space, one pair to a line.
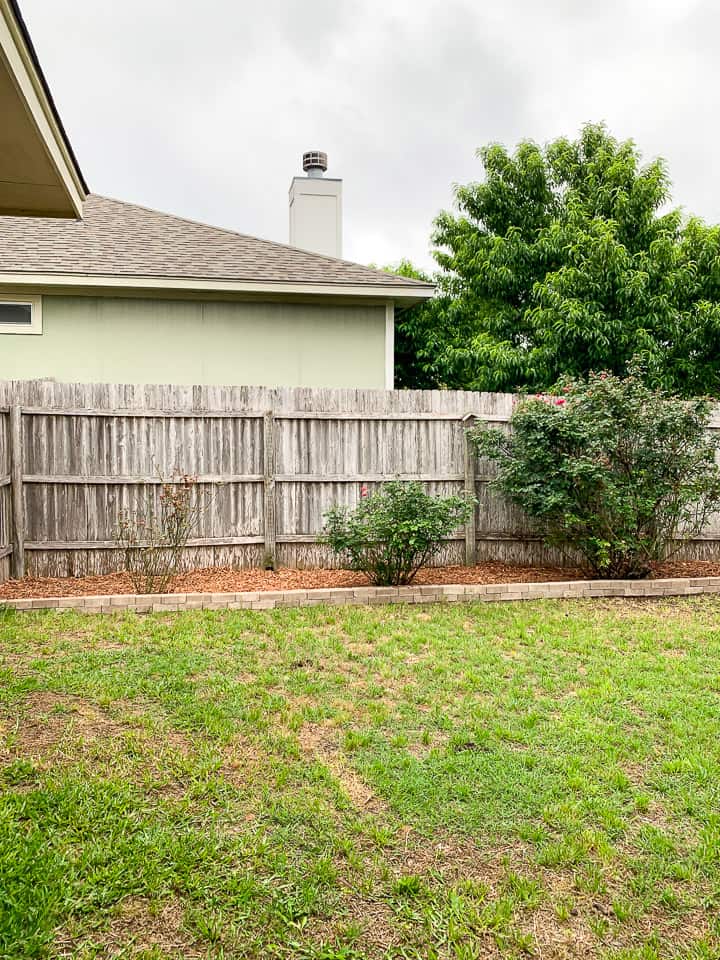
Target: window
[20,314]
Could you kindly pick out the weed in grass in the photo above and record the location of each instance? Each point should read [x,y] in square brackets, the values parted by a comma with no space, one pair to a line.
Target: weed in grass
[410,887]
[522,889]
[565,908]
[600,926]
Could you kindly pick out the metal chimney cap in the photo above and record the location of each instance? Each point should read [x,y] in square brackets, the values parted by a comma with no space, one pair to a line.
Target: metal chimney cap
[315,160]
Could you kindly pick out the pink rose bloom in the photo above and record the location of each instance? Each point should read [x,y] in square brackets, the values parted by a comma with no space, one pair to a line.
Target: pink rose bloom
[363,490]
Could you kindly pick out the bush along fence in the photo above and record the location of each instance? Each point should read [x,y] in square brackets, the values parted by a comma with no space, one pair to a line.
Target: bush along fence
[76,458]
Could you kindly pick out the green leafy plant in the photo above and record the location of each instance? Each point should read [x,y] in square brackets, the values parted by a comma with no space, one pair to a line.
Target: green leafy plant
[391,534]
[609,469]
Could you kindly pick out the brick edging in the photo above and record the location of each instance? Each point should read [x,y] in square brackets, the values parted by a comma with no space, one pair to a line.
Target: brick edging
[341,596]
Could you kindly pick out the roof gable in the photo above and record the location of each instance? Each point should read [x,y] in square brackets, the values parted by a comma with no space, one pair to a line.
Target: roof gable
[39,175]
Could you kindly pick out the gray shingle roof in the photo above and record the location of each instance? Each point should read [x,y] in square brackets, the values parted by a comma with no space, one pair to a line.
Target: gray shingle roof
[124,240]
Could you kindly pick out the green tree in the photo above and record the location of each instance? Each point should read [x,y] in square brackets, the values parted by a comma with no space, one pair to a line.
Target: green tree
[419,341]
[563,260]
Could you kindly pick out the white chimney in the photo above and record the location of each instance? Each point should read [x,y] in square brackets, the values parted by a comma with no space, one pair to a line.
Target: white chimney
[316,208]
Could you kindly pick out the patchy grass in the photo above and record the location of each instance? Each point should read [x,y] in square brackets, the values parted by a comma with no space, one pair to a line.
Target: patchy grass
[343,783]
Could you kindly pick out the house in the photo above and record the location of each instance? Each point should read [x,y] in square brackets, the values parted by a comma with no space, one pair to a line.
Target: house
[98,290]
[131,295]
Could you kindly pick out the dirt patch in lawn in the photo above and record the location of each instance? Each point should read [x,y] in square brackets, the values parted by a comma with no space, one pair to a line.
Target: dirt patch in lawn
[574,937]
[449,860]
[379,927]
[138,927]
[318,742]
[49,727]
[242,760]
[456,858]
[47,719]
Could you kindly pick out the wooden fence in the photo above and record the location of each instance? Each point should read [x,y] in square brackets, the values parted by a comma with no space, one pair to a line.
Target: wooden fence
[75,457]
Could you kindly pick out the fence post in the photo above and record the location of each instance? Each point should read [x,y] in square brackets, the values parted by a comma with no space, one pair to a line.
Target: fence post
[469,459]
[269,525]
[16,491]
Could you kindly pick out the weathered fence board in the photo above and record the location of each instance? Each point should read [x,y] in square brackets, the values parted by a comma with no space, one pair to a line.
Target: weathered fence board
[17,564]
[5,495]
[269,494]
[270,461]
[470,487]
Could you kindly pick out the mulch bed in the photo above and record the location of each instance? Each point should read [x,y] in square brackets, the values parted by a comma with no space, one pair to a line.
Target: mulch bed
[227,580]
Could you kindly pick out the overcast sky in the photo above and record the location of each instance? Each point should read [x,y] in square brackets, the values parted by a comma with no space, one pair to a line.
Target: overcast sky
[204,109]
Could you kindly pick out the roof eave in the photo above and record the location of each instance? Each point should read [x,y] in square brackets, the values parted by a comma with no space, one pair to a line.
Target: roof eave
[406,295]
[18,55]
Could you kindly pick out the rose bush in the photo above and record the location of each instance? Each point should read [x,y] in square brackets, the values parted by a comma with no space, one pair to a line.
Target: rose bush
[610,470]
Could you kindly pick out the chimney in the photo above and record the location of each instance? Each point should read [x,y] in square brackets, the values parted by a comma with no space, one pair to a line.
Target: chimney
[316,208]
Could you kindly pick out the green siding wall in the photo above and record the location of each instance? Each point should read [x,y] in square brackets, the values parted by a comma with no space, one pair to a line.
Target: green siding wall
[125,340]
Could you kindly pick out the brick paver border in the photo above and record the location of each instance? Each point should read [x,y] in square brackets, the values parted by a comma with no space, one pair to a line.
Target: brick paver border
[453,593]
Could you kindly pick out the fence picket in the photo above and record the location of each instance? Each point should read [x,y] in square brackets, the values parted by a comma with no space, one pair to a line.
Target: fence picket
[16,488]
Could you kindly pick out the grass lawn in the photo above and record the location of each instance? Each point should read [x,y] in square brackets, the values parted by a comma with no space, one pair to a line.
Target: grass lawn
[391,782]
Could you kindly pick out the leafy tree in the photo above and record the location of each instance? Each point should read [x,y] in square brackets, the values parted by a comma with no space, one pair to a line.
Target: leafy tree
[610,469]
[563,260]
[419,341]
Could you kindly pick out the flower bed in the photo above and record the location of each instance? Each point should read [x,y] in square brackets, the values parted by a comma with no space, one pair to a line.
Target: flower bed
[226,580]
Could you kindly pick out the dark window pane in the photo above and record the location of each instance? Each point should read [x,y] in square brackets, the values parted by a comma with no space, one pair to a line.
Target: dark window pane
[15,313]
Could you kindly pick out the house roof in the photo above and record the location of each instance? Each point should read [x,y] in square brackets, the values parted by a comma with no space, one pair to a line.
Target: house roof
[39,174]
[128,245]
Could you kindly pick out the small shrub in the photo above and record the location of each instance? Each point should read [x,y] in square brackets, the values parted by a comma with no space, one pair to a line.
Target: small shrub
[153,541]
[391,534]
[609,469]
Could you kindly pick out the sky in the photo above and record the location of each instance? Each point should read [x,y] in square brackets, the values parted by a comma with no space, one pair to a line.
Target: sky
[204,109]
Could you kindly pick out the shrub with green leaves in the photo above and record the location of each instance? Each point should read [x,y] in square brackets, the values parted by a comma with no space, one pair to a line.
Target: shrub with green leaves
[391,534]
[609,469]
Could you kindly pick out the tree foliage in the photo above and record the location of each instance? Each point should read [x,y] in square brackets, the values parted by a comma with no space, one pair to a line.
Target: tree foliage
[563,260]
[610,469]
[418,339]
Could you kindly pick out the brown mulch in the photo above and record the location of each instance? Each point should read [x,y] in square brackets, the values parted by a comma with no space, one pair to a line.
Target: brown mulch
[227,580]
